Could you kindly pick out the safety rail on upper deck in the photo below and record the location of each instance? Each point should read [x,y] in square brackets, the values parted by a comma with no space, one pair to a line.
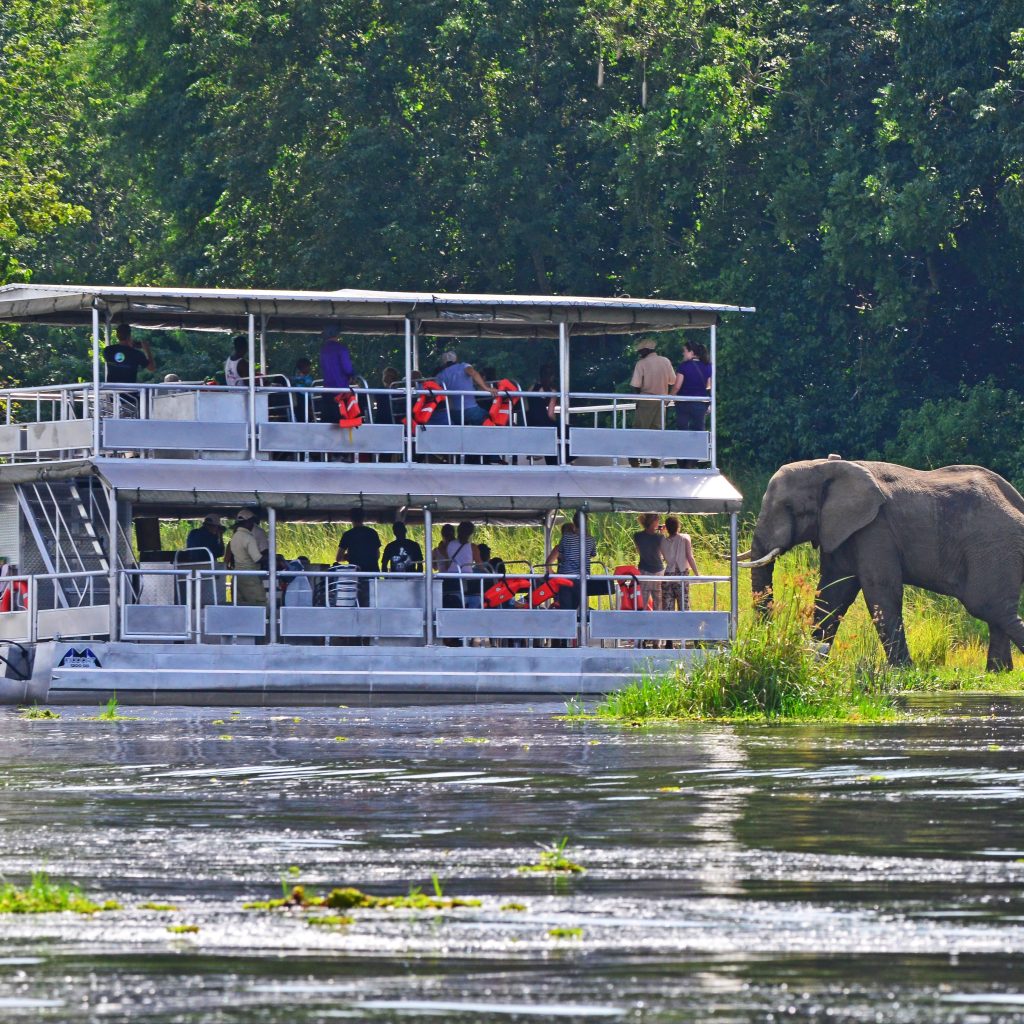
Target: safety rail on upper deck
[402,423]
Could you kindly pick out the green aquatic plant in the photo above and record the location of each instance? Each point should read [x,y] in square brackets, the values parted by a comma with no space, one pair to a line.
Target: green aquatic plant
[331,920]
[565,933]
[35,713]
[43,896]
[157,906]
[226,737]
[515,907]
[111,712]
[350,898]
[182,929]
[553,860]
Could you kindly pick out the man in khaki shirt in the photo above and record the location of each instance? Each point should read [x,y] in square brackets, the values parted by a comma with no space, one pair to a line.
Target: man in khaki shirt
[246,555]
[652,375]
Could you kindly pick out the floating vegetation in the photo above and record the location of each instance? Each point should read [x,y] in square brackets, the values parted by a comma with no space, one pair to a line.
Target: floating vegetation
[565,933]
[331,920]
[157,906]
[350,898]
[111,713]
[516,907]
[341,739]
[227,737]
[217,721]
[183,929]
[475,739]
[45,897]
[35,713]
[553,859]
[670,789]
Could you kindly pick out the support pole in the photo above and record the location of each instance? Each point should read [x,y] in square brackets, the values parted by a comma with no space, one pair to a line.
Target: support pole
[263,343]
[714,410]
[272,539]
[112,563]
[734,583]
[563,394]
[416,348]
[428,576]
[252,387]
[408,390]
[584,569]
[95,380]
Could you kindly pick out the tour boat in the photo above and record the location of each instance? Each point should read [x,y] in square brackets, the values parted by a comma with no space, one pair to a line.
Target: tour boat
[90,604]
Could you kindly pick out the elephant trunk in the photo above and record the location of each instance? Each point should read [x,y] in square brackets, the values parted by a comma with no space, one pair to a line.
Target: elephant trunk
[762,571]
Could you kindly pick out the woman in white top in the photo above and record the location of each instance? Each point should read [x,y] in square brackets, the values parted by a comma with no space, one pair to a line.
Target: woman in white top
[463,554]
[677,550]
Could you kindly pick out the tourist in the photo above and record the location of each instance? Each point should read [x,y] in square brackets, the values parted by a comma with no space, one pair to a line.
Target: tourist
[337,371]
[247,556]
[677,550]
[123,362]
[652,375]
[463,554]
[455,375]
[693,380]
[540,412]
[301,377]
[209,534]
[442,563]
[651,563]
[566,555]
[360,547]
[236,366]
[401,554]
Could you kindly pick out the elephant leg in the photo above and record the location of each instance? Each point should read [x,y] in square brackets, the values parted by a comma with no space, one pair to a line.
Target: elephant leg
[836,596]
[1000,652]
[884,599]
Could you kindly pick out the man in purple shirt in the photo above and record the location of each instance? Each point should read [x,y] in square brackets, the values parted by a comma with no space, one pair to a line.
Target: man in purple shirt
[336,370]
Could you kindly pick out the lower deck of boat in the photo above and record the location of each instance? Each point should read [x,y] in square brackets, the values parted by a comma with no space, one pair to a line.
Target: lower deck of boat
[84,672]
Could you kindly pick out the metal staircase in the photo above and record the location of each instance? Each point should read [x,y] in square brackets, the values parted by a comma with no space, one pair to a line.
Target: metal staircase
[67,520]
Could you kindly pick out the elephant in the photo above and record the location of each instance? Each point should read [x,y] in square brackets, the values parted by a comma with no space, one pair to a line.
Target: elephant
[957,531]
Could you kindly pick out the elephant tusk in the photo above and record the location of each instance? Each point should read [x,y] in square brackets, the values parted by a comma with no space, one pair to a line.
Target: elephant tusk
[770,557]
[743,555]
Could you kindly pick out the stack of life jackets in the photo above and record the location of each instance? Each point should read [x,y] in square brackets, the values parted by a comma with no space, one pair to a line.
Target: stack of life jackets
[504,402]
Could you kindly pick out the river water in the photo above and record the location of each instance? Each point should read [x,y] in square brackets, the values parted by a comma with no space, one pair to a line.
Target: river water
[739,874]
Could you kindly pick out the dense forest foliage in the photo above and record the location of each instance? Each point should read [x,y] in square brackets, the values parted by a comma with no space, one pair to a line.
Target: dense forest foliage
[855,170]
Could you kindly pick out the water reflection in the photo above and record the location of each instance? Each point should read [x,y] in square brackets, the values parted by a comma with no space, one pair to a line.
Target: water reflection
[741,873]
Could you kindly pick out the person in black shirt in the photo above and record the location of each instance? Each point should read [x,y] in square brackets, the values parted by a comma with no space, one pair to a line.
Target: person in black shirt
[402,554]
[209,535]
[360,546]
[124,360]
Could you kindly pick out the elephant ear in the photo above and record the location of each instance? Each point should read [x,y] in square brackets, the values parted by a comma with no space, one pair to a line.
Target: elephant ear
[851,499]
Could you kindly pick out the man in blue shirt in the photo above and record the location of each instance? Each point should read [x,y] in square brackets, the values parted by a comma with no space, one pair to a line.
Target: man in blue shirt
[459,376]
[336,370]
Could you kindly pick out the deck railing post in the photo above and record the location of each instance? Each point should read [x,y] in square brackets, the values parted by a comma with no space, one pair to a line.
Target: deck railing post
[584,569]
[563,394]
[252,387]
[112,561]
[272,538]
[408,391]
[734,583]
[714,410]
[263,344]
[95,380]
[428,576]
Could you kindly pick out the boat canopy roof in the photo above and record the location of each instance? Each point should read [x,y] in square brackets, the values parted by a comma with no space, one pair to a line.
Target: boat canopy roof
[352,311]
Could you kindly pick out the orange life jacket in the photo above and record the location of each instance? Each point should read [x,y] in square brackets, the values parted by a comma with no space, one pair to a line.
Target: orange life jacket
[504,402]
[8,603]
[423,408]
[348,406]
[504,591]
[629,589]
[547,590]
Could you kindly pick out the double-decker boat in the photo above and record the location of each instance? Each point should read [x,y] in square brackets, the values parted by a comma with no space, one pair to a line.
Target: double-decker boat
[90,605]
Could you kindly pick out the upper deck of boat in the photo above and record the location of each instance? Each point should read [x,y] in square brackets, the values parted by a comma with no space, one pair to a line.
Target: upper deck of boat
[187,445]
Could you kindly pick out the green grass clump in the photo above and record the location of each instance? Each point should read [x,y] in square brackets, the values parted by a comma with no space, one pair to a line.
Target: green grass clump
[331,920]
[513,907]
[565,933]
[350,898]
[44,896]
[36,712]
[182,929]
[772,672]
[157,906]
[553,860]
[111,712]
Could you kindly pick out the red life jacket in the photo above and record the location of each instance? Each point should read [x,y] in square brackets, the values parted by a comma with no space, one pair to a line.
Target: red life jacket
[348,406]
[547,590]
[629,589]
[11,603]
[504,402]
[504,591]
[433,395]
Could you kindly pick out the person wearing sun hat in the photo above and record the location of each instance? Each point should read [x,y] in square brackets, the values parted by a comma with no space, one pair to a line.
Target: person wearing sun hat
[208,534]
[246,557]
[652,375]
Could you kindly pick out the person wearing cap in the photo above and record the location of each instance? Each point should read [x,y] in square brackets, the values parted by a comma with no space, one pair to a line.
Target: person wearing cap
[208,534]
[246,556]
[652,375]
[337,372]
[456,375]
